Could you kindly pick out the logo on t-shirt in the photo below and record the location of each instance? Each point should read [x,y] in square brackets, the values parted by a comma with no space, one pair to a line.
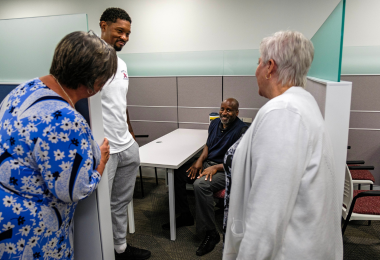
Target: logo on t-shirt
[125,75]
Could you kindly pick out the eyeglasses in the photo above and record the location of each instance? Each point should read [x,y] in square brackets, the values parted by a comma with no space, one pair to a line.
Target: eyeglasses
[93,33]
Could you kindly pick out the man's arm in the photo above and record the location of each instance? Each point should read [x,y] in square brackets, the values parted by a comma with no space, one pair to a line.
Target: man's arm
[210,171]
[130,126]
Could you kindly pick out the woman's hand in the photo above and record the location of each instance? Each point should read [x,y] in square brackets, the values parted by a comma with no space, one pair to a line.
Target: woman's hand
[105,151]
[105,155]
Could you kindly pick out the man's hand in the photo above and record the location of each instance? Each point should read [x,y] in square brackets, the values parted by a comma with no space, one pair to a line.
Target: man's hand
[195,169]
[209,172]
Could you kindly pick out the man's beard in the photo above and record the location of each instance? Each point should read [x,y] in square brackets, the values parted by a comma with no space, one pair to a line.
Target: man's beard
[225,120]
[117,48]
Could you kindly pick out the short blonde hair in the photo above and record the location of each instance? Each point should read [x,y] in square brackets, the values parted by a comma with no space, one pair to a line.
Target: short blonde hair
[293,54]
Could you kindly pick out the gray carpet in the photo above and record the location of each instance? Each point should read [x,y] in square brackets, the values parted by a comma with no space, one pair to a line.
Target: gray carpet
[360,240]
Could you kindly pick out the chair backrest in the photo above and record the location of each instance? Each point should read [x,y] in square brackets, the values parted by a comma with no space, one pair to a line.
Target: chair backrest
[348,192]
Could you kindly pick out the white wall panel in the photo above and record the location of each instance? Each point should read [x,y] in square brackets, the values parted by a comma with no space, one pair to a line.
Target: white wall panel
[197,25]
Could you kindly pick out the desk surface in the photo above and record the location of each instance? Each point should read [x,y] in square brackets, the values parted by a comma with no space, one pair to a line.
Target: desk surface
[173,149]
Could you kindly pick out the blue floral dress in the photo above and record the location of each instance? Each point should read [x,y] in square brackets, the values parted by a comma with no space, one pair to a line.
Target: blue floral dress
[48,159]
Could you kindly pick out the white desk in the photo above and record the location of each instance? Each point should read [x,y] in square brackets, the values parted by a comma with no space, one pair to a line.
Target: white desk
[171,151]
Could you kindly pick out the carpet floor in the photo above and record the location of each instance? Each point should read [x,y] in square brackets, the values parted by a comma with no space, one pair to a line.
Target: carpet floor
[360,240]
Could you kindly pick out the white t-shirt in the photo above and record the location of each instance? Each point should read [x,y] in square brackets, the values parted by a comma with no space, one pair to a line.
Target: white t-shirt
[114,105]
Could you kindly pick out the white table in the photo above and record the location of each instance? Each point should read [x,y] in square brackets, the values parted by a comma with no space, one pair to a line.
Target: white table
[171,151]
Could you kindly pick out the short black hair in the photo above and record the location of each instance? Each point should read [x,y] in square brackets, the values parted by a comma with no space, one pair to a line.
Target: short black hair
[111,14]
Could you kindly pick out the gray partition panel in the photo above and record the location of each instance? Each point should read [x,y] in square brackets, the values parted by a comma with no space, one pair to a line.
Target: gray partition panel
[244,89]
[365,145]
[248,113]
[199,91]
[195,115]
[365,92]
[152,91]
[318,90]
[153,113]
[82,107]
[88,247]
[193,126]
[153,129]
[365,120]
[5,89]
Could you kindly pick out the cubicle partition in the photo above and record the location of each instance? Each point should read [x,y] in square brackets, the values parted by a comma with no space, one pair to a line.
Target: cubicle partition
[364,131]
[197,98]
[246,91]
[152,107]
[328,44]
[334,101]
[318,90]
[159,105]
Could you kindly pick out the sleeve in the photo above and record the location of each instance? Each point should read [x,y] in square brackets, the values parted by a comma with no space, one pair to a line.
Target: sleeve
[67,157]
[279,151]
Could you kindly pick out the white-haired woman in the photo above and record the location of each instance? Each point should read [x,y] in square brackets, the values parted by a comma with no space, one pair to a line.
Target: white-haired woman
[283,201]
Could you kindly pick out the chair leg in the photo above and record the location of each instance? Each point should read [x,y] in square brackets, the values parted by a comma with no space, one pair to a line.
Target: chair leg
[359,186]
[369,222]
[141,183]
[131,218]
[348,215]
[371,186]
[155,171]
[345,225]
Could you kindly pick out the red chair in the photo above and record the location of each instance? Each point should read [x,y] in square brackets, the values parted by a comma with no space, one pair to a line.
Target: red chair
[220,194]
[359,204]
[362,175]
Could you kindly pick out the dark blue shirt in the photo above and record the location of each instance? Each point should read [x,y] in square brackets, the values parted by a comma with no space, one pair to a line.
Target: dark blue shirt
[219,139]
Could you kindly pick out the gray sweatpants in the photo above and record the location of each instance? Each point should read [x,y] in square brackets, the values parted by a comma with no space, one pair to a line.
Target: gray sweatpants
[122,169]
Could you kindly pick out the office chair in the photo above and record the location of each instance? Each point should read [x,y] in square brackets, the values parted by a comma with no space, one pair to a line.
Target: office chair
[359,204]
[141,181]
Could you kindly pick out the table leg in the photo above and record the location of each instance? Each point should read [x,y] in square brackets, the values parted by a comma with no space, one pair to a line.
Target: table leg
[172,204]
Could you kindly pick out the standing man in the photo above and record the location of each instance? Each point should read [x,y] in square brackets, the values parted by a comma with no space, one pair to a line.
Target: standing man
[124,161]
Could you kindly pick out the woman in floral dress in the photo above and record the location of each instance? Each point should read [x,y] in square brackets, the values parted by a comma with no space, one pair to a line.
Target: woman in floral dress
[227,165]
[48,157]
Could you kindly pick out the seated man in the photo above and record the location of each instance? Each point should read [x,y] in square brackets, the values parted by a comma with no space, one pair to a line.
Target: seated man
[207,175]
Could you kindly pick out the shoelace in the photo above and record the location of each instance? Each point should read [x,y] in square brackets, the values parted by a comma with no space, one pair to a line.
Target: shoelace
[205,241]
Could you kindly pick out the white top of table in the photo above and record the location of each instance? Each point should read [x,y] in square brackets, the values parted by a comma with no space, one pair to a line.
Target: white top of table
[173,149]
